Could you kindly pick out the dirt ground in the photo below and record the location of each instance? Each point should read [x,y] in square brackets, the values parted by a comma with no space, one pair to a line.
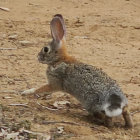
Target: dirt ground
[103,33]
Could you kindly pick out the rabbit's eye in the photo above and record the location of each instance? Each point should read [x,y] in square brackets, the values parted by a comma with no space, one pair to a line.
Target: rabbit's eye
[46,49]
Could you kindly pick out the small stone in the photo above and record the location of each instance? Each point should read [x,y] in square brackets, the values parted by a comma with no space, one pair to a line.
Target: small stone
[12,135]
[25,42]
[2,36]
[60,129]
[13,36]
[58,104]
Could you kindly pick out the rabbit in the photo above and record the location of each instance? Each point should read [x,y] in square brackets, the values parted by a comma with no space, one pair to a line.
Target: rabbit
[98,93]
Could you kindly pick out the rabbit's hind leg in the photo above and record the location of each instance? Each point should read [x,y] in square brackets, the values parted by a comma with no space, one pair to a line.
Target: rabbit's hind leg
[109,121]
[99,115]
[127,117]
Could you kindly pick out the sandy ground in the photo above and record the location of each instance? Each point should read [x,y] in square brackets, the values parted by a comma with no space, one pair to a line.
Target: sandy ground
[103,33]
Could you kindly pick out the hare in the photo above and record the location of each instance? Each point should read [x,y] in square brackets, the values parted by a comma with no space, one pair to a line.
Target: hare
[96,91]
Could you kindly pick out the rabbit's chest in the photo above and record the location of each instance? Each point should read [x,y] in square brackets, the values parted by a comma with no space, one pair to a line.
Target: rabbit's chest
[56,74]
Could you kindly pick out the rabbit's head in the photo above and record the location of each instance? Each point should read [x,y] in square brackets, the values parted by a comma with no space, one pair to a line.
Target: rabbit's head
[55,50]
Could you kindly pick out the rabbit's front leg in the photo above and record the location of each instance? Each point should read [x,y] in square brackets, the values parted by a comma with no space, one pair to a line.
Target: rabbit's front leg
[45,88]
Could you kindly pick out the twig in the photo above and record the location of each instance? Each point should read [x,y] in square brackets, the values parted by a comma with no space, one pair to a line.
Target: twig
[5,9]
[7,97]
[48,137]
[4,127]
[34,4]
[9,91]
[31,132]
[132,113]
[66,122]
[8,48]
[46,107]
[25,105]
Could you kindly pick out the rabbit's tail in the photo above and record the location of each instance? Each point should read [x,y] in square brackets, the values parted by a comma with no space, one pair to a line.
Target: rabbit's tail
[113,106]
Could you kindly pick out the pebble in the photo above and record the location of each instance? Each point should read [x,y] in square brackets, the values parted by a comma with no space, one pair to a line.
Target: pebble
[25,42]
[13,36]
[2,36]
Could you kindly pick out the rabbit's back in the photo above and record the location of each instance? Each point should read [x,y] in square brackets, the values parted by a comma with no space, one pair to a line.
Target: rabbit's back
[90,85]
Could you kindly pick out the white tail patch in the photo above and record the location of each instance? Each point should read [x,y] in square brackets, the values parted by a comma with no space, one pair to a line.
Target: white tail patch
[112,113]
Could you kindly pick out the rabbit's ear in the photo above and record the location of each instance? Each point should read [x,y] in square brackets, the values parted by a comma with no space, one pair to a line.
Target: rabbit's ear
[63,23]
[58,28]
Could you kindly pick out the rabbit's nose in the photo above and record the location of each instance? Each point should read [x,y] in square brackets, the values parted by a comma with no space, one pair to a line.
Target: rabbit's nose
[39,57]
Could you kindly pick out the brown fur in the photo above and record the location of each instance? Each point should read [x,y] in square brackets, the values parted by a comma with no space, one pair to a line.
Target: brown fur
[45,88]
[64,55]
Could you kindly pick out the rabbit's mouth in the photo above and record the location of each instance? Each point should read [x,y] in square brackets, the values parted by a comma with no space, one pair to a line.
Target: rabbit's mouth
[43,62]
[41,59]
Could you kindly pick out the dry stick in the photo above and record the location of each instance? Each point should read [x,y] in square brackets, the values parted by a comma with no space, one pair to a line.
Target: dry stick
[46,107]
[3,127]
[25,105]
[132,113]
[8,48]
[9,91]
[7,97]
[34,133]
[46,136]
[66,122]
[5,9]
[54,122]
